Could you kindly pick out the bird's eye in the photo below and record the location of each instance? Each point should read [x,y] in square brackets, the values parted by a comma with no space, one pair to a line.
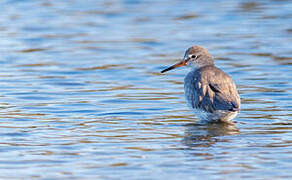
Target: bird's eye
[194,56]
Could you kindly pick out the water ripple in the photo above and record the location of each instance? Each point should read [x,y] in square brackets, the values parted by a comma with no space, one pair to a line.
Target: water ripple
[82,96]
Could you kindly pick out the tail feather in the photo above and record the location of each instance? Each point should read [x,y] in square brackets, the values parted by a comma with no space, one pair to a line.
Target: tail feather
[234,107]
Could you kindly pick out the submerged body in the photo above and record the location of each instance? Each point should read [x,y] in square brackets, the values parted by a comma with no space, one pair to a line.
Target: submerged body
[209,92]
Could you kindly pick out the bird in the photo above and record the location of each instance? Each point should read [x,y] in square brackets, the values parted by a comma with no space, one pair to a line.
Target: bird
[209,91]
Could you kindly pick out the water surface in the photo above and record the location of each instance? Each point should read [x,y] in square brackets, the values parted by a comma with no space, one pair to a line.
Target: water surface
[82,96]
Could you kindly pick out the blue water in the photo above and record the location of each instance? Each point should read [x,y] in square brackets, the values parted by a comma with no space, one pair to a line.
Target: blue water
[82,96]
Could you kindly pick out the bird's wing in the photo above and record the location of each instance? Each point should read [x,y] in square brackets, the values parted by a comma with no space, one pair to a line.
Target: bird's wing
[212,90]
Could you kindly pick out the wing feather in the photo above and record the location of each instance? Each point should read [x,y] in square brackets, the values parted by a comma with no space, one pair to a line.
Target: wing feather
[210,89]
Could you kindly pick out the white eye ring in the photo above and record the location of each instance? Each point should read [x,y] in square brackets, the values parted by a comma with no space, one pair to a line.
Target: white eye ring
[192,56]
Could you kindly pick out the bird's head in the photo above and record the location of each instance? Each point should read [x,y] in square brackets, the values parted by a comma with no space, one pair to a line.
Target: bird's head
[195,57]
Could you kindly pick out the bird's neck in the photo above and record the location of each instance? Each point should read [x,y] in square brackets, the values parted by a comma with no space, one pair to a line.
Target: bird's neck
[199,66]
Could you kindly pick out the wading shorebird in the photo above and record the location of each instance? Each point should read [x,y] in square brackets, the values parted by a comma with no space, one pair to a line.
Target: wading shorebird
[209,92]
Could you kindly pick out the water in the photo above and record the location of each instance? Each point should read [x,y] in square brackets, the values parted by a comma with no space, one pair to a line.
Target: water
[82,96]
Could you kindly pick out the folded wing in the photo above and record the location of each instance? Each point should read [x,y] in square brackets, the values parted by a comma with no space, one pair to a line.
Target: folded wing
[210,89]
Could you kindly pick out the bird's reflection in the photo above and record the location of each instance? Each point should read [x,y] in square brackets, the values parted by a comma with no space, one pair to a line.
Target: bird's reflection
[204,135]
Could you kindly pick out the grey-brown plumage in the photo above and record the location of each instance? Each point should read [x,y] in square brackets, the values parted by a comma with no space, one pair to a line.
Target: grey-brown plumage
[209,91]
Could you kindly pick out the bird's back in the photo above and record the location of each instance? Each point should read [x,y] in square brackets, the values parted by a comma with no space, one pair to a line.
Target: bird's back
[211,90]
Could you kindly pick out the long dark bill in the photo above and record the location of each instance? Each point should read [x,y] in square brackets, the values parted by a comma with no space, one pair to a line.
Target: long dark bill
[182,63]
